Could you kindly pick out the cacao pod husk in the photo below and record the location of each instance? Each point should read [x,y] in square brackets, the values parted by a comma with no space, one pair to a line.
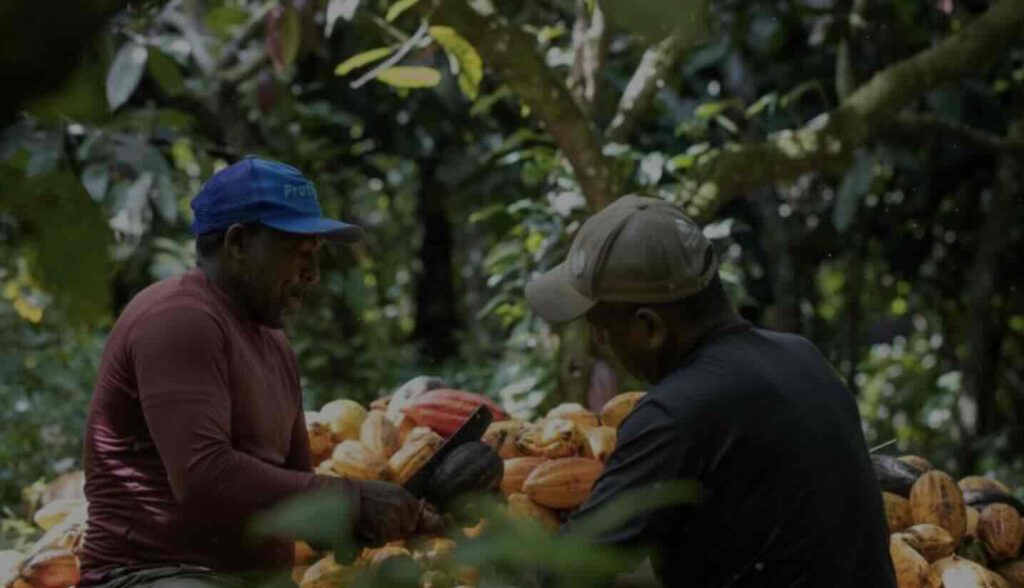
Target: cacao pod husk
[522,507]
[502,437]
[922,464]
[897,512]
[999,528]
[894,475]
[955,571]
[931,541]
[379,435]
[445,410]
[976,483]
[405,426]
[564,482]
[345,417]
[1012,572]
[551,438]
[575,412]
[352,460]
[912,569]
[600,443]
[972,521]
[935,499]
[618,408]
[380,404]
[416,451]
[517,470]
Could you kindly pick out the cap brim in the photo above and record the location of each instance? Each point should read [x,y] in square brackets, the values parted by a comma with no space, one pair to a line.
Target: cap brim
[329,229]
[553,298]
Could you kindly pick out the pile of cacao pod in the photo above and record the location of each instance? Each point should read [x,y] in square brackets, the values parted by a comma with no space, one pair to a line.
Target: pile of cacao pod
[51,562]
[542,469]
[950,534]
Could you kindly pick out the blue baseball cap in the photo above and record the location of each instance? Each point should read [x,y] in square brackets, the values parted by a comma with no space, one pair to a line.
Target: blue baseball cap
[270,193]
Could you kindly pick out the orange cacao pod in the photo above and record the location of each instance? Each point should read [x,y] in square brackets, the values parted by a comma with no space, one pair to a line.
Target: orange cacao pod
[931,541]
[897,512]
[445,410]
[616,409]
[51,568]
[521,506]
[562,483]
[983,484]
[935,499]
[999,528]
[517,470]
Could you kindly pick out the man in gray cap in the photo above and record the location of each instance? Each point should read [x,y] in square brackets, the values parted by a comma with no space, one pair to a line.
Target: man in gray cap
[758,418]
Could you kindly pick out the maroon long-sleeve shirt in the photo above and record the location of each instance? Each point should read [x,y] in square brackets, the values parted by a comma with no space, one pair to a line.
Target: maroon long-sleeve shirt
[196,423]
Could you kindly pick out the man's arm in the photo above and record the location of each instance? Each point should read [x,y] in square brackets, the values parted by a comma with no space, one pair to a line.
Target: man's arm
[181,369]
[652,448]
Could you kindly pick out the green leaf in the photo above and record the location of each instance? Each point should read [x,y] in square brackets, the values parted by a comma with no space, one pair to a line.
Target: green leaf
[410,76]
[398,8]
[852,189]
[321,517]
[653,20]
[165,71]
[471,69]
[336,9]
[768,101]
[361,59]
[710,110]
[224,19]
[124,73]
[96,179]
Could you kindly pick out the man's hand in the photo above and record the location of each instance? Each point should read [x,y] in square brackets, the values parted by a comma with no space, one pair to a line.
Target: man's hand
[388,512]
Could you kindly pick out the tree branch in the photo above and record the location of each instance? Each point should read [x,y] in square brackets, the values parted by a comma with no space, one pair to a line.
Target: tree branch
[249,30]
[641,89]
[910,129]
[721,175]
[590,44]
[510,51]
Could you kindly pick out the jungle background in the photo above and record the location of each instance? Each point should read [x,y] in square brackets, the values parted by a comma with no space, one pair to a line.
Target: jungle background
[856,162]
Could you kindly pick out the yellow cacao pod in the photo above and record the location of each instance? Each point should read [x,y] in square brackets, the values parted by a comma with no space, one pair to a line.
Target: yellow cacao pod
[321,442]
[379,435]
[1012,572]
[999,528]
[600,443]
[417,449]
[517,470]
[562,483]
[918,462]
[931,541]
[935,499]
[344,417]
[912,570]
[616,409]
[972,515]
[575,412]
[405,426]
[352,460]
[897,512]
[522,507]
[501,435]
[955,571]
[551,438]
[981,483]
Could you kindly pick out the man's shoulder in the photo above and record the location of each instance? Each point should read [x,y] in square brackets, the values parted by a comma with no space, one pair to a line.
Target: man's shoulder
[178,297]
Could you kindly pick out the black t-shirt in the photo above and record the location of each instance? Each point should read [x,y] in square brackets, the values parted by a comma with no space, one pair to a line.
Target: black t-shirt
[764,424]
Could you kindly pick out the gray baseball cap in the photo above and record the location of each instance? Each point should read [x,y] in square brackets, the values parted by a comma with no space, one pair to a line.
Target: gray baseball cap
[635,250]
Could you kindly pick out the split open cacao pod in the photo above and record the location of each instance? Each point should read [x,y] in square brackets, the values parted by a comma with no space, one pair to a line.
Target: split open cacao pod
[575,412]
[379,435]
[353,460]
[551,438]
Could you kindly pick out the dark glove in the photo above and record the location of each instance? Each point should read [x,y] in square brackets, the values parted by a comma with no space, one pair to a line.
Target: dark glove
[388,512]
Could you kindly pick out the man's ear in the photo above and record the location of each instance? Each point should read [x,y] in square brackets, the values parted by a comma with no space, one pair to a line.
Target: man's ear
[654,328]
[236,241]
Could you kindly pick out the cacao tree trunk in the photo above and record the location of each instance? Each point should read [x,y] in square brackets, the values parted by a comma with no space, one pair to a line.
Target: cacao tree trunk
[436,315]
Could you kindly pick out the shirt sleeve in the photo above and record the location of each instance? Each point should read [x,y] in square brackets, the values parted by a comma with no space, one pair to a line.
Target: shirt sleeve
[180,362]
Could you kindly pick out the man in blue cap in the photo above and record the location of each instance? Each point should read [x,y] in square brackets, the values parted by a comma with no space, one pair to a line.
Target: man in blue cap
[196,421]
